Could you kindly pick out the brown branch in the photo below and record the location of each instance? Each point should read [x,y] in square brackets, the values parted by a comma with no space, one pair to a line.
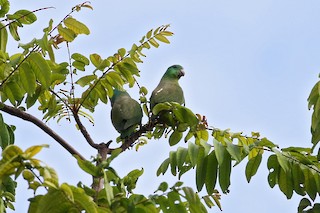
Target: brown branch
[83,130]
[28,117]
[129,142]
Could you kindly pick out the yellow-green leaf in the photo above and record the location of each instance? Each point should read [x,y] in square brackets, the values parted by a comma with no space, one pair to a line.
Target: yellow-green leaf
[154,43]
[25,16]
[86,80]
[162,38]
[67,191]
[27,175]
[4,134]
[13,29]
[4,9]
[41,69]
[76,26]
[13,92]
[67,34]
[28,78]
[193,151]
[33,150]
[3,38]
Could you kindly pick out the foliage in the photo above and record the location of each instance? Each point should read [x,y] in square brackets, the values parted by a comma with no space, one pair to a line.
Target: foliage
[33,78]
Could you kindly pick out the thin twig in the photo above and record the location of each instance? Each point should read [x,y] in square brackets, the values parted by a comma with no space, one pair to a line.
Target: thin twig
[44,8]
[71,73]
[16,68]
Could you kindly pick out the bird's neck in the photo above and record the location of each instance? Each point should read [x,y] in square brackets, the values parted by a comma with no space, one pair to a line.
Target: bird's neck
[165,78]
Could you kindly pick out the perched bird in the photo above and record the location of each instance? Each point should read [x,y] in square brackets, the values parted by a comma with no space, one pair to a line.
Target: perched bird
[168,90]
[126,113]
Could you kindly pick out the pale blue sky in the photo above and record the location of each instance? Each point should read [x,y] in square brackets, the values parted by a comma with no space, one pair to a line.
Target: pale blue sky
[250,66]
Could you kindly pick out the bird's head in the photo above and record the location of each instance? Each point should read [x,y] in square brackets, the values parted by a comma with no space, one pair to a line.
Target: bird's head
[116,94]
[174,72]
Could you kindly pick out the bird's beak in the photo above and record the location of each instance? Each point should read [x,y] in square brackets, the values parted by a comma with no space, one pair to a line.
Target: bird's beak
[181,73]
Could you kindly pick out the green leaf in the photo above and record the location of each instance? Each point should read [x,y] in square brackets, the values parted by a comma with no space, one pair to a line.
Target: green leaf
[24,16]
[201,169]
[108,189]
[234,151]
[220,151]
[149,34]
[283,161]
[285,183]
[225,172]
[81,58]
[195,205]
[252,166]
[14,92]
[56,201]
[86,80]
[79,65]
[66,33]
[95,60]
[11,152]
[208,201]
[160,107]
[76,26]
[175,137]
[131,179]
[304,203]
[3,37]
[31,99]
[162,38]
[173,162]
[67,191]
[33,150]
[162,187]
[4,9]
[28,175]
[88,167]
[13,29]
[181,156]
[310,183]
[4,134]
[274,168]
[122,52]
[193,151]
[211,173]
[153,42]
[40,68]
[163,167]
[28,78]
[115,79]
[125,73]
[185,115]
[132,67]
[298,179]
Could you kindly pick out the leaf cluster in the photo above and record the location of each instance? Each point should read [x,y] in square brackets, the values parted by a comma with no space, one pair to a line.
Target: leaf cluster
[65,90]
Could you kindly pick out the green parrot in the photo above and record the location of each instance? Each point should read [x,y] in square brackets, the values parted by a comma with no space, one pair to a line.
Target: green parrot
[168,90]
[126,113]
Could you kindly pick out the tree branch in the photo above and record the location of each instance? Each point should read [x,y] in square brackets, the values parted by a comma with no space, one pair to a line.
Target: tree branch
[84,131]
[128,142]
[27,117]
